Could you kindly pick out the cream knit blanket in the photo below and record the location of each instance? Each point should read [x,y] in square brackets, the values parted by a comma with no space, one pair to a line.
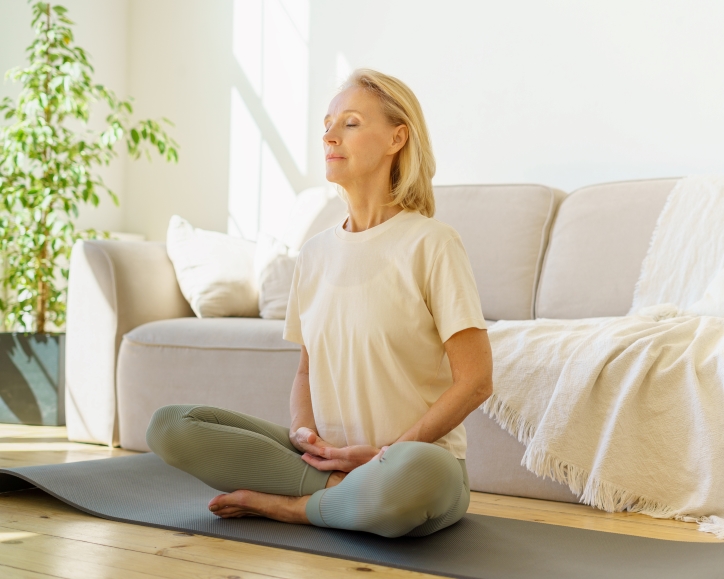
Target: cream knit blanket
[687,247]
[627,411]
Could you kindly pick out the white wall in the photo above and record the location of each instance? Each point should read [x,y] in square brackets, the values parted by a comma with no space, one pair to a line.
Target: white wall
[179,54]
[101,28]
[564,93]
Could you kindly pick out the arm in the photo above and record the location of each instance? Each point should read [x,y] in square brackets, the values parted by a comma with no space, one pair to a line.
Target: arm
[303,431]
[471,362]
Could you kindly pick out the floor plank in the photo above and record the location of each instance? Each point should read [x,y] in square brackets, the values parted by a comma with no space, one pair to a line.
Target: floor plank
[8,572]
[41,536]
[585,517]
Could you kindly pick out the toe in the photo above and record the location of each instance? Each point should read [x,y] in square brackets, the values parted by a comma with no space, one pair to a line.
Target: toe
[217,502]
[235,499]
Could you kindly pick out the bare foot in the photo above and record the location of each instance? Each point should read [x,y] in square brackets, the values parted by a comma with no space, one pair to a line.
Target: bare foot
[244,503]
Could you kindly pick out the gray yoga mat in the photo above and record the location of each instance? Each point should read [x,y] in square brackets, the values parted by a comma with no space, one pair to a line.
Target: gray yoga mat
[143,489]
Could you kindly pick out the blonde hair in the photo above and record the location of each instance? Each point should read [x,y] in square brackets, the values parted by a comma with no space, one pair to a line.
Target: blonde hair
[414,165]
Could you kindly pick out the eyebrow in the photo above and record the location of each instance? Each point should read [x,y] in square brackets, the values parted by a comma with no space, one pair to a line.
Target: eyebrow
[347,111]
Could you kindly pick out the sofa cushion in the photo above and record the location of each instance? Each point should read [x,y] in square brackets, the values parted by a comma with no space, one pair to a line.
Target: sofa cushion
[213,333]
[237,363]
[597,245]
[505,231]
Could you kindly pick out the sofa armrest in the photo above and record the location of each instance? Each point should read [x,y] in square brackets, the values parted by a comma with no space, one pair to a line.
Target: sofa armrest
[114,286]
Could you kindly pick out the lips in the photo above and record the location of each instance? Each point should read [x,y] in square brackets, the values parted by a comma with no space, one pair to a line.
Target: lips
[334,157]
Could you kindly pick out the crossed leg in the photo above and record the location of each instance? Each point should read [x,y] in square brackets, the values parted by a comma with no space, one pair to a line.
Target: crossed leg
[415,489]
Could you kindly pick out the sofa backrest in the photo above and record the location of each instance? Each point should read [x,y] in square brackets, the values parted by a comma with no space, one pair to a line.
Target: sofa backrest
[505,230]
[597,244]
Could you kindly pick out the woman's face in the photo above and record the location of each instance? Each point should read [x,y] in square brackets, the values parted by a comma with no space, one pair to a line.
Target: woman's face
[359,141]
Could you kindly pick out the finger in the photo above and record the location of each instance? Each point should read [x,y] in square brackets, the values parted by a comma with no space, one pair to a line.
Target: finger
[334,453]
[380,454]
[307,436]
[319,441]
[302,434]
[324,464]
[314,460]
[315,450]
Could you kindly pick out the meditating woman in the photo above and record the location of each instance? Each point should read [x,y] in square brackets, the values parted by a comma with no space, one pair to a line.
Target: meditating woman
[394,350]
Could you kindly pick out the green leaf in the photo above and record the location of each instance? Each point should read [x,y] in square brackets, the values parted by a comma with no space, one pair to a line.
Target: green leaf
[48,170]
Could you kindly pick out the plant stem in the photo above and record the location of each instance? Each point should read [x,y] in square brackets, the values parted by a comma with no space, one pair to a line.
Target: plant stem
[42,305]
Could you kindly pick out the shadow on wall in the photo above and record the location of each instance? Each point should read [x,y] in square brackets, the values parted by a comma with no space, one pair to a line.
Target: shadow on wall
[269,164]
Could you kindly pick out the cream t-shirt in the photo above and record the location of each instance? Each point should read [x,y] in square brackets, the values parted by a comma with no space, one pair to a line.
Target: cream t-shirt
[373,309]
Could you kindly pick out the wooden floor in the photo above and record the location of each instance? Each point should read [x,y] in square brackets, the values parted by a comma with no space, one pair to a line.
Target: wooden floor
[43,537]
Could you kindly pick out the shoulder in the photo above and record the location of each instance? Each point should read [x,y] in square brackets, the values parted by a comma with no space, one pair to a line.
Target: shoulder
[415,231]
[436,228]
[430,233]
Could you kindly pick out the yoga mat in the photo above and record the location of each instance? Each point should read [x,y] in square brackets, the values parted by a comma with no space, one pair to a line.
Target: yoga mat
[143,489]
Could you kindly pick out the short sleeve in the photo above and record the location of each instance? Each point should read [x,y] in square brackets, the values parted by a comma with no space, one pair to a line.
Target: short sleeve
[452,293]
[292,321]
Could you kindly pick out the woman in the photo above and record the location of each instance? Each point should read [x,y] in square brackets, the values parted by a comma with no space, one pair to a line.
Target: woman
[394,350]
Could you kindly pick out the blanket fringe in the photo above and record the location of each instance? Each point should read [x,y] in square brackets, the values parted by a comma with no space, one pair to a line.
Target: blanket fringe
[712,524]
[508,419]
[590,490]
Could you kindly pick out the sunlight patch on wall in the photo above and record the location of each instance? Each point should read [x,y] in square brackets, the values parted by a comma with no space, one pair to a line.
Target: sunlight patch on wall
[285,72]
[343,68]
[244,170]
[277,195]
[246,40]
[270,45]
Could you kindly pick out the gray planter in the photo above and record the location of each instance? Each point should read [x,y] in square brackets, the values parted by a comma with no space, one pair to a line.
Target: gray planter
[32,379]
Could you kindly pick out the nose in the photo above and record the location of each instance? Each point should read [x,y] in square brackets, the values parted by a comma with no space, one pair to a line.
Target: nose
[331,137]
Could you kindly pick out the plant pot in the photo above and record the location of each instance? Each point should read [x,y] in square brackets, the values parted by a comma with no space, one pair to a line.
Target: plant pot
[32,378]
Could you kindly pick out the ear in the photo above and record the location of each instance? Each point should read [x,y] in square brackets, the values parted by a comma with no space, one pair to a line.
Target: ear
[399,138]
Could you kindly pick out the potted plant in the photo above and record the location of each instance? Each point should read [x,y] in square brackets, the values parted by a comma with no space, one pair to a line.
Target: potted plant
[47,171]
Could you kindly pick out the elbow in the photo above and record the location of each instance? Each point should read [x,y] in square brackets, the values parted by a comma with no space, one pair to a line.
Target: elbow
[483,391]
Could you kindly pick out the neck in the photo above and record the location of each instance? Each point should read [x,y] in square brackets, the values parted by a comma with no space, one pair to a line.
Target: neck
[366,204]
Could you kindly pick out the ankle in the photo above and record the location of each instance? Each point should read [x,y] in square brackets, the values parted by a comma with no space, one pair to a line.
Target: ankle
[335,478]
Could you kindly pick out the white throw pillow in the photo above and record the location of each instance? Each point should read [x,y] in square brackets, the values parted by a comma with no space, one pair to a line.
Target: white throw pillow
[274,265]
[314,210]
[712,304]
[214,271]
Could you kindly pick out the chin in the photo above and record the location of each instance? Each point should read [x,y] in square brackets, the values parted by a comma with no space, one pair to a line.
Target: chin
[334,178]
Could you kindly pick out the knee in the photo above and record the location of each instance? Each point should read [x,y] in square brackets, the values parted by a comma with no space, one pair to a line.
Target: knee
[427,465]
[426,478]
[164,434]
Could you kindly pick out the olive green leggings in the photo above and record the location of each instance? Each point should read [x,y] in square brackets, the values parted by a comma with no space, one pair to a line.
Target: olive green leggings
[416,489]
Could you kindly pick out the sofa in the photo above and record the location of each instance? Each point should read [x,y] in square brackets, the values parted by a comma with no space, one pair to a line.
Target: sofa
[133,344]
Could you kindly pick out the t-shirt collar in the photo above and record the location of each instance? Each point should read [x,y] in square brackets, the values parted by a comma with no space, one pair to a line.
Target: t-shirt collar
[345,235]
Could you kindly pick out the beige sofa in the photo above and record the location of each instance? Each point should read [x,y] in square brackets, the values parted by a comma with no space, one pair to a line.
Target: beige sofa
[133,343]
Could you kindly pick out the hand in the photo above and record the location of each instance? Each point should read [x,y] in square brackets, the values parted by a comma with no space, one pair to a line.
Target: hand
[345,459]
[306,440]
